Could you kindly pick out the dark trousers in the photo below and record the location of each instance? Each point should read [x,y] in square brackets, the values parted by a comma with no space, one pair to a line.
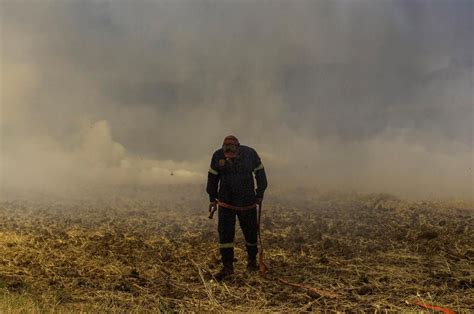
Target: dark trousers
[226,227]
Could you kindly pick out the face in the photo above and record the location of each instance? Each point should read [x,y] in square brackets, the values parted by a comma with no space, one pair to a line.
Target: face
[230,151]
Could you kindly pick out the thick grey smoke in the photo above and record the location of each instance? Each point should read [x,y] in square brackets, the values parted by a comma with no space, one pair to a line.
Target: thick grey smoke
[365,95]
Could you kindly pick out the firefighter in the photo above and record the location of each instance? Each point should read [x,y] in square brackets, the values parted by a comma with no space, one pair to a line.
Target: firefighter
[231,190]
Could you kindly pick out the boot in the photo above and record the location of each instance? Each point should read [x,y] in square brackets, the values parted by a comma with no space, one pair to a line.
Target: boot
[225,272]
[252,264]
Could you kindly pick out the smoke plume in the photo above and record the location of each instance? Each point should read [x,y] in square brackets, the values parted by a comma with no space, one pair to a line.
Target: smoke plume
[361,95]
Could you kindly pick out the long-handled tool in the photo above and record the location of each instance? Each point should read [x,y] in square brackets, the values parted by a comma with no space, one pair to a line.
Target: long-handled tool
[262,268]
[261,265]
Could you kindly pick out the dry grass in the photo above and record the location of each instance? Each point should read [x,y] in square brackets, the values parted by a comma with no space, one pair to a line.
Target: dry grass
[135,252]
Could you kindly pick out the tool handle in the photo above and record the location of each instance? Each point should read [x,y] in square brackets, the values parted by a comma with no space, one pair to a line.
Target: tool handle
[211,213]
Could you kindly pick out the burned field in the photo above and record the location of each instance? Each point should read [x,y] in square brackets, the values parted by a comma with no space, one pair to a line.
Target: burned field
[137,251]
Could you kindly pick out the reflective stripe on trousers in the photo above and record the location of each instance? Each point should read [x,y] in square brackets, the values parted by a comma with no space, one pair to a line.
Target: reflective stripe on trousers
[226,227]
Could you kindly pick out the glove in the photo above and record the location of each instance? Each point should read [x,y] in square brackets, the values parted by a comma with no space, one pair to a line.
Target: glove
[212,207]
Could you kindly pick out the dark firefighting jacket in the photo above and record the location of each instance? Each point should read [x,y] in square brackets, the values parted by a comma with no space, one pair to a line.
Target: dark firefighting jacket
[231,181]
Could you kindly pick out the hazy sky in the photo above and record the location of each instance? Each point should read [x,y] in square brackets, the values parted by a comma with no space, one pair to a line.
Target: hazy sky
[370,95]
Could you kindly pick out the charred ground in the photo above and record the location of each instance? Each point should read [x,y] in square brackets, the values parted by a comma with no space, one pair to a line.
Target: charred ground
[143,250]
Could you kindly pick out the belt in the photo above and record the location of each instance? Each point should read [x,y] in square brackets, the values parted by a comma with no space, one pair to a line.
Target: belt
[222,204]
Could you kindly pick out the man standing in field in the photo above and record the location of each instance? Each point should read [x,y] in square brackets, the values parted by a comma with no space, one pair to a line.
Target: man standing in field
[231,189]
